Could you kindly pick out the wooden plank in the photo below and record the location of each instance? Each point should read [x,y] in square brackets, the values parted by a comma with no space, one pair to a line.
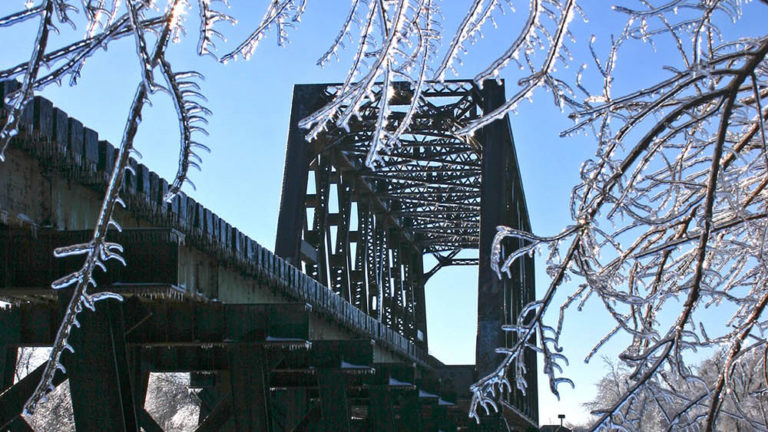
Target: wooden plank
[29,325]
[106,157]
[44,118]
[61,128]
[75,139]
[152,254]
[203,323]
[91,146]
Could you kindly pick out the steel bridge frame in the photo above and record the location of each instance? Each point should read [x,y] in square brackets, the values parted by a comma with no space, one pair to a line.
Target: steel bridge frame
[364,231]
[270,355]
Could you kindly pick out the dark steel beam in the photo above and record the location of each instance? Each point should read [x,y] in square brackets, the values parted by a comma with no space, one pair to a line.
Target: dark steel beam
[249,384]
[99,377]
[491,294]
[148,423]
[170,323]
[311,417]
[8,355]
[12,399]
[334,401]
[220,414]
[306,99]
[380,411]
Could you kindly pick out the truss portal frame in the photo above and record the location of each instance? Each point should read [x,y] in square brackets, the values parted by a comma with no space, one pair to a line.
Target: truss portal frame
[363,231]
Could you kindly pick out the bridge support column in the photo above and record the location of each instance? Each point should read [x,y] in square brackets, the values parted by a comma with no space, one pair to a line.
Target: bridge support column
[380,410]
[333,400]
[289,407]
[250,389]
[216,405]
[99,376]
[410,412]
[139,384]
[298,154]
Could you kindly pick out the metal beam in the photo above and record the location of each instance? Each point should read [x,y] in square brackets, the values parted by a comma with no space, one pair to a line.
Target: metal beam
[99,378]
[220,414]
[12,400]
[380,411]
[249,384]
[170,323]
[8,355]
[334,402]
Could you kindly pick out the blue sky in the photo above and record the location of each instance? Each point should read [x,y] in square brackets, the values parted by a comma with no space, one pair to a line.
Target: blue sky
[241,179]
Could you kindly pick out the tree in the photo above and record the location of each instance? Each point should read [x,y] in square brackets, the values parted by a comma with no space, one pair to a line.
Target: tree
[669,216]
[56,415]
[171,402]
[671,206]
[655,407]
[169,399]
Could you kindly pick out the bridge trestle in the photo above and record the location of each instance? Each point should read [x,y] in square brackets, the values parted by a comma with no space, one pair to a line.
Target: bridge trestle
[333,337]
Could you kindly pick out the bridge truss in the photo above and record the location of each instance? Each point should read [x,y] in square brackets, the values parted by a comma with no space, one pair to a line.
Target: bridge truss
[364,231]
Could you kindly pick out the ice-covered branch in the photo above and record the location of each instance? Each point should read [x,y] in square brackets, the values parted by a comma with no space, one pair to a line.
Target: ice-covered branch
[669,216]
[185,92]
[98,251]
[22,96]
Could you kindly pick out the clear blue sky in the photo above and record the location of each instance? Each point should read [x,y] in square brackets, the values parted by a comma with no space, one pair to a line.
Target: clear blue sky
[241,179]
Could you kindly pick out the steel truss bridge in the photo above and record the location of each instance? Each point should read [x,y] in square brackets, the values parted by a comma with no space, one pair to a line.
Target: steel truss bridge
[328,333]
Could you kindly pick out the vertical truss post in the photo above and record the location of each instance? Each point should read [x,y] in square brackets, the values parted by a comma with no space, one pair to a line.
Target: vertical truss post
[99,376]
[334,402]
[396,275]
[380,412]
[298,154]
[139,378]
[420,307]
[360,297]
[321,233]
[339,258]
[384,269]
[500,301]
[491,306]
[250,389]
[410,412]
